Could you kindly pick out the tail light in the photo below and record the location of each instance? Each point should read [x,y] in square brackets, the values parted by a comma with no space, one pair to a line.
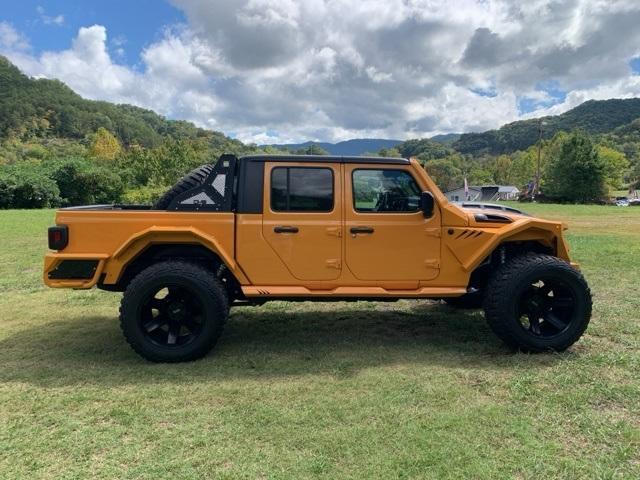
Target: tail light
[58,237]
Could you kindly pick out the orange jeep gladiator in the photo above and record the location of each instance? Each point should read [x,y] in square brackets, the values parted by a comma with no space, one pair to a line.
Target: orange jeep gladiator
[258,228]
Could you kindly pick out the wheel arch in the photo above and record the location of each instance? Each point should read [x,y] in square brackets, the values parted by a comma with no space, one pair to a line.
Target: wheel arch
[157,244]
[523,231]
[521,243]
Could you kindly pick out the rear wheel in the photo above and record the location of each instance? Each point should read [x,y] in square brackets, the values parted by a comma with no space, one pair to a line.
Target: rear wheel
[538,303]
[173,311]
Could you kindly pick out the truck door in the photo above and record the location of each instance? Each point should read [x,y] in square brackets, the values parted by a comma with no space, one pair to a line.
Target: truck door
[302,217]
[387,236]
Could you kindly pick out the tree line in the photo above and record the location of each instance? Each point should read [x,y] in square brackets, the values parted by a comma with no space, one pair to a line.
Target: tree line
[574,166]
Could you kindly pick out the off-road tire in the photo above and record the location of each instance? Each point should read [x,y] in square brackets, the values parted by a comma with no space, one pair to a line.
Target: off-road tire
[198,282]
[468,301]
[507,288]
[191,180]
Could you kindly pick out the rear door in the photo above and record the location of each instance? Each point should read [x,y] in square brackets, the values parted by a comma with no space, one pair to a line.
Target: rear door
[302,219]
[387,236]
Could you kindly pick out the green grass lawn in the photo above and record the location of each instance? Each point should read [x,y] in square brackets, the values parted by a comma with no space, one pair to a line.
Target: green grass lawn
[353,390]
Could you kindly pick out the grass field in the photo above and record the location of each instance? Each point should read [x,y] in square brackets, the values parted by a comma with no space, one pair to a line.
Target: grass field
[357,390]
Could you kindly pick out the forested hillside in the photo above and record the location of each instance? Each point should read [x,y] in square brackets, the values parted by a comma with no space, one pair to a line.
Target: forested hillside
[48,108]
[594,117]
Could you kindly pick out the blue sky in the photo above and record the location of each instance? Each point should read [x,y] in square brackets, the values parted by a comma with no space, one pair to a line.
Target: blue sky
[132,24]
[277,71]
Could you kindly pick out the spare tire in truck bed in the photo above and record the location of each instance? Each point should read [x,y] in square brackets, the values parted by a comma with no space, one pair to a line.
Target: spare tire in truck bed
[190,180]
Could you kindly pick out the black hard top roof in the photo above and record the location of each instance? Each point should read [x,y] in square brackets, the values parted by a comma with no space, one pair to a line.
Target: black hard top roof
[324,158]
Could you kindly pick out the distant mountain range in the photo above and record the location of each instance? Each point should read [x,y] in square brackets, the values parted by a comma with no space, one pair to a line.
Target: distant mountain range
[360,146]
[593,116]
[356,146]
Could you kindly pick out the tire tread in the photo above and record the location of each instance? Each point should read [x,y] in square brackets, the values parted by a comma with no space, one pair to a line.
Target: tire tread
[194,273]
[495,303]
[191,180]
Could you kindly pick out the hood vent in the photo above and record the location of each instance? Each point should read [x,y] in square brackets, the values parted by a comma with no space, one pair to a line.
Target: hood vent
[491,218]
[494,207]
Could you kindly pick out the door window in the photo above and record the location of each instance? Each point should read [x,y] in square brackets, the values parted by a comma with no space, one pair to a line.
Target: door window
[301,189]
[385,191]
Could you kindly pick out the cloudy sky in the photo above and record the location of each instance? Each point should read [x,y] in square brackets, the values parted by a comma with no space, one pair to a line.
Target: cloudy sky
[272,71]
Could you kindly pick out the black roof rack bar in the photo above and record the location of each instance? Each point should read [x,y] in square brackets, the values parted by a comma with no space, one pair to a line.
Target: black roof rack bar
[324,158]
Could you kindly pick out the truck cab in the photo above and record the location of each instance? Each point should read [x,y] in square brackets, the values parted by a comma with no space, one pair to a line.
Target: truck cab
[257,228]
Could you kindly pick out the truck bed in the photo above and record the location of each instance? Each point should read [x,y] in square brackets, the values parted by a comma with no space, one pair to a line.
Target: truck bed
[109,236]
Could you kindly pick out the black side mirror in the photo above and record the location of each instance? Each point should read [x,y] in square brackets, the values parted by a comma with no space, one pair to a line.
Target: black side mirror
[426,204]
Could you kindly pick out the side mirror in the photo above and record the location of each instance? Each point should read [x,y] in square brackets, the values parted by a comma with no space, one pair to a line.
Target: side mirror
[426,204]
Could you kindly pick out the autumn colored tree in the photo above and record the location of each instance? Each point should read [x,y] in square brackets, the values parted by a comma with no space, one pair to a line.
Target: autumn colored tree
[104,145]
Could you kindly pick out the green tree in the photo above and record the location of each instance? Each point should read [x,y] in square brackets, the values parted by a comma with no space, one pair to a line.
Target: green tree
[523,167]
[389,152]
[502,170]
[445,173]
[578,173]
[312,149]
[615,166]
[27,185]
[82,183]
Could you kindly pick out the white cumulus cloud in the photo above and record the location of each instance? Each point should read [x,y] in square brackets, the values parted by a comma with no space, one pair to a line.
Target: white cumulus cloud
[281,70]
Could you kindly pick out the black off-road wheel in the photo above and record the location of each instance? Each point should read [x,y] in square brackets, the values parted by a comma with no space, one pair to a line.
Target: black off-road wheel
[191,180]
[173,311]
[538,303]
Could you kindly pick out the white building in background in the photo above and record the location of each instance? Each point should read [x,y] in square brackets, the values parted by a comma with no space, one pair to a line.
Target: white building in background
[483,193]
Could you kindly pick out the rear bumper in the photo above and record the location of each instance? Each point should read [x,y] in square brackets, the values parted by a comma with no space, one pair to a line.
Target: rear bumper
[68,270]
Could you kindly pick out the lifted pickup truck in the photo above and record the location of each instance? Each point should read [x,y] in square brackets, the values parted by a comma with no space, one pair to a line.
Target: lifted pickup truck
[258,228]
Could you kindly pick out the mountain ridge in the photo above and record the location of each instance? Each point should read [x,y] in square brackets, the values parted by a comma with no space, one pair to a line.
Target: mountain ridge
[592,116]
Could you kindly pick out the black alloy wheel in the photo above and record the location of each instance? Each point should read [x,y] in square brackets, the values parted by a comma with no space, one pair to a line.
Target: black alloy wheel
[546,307]
[172,316]
[537,303]
[174,311]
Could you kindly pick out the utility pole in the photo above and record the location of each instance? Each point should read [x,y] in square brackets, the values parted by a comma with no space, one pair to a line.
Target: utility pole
[537,189]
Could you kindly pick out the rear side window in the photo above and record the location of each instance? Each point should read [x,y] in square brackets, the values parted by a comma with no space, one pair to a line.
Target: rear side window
[301,189]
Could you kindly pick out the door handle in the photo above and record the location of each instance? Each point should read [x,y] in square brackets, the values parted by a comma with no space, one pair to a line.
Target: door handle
[356,230]
[285,229]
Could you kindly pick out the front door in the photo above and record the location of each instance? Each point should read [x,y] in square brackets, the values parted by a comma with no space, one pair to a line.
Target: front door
[302,219]
[387,236]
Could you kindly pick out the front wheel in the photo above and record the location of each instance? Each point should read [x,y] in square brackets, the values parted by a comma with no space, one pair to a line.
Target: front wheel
[538,303]
[173,311]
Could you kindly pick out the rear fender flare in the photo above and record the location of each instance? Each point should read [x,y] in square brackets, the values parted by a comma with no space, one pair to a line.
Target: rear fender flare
[139,242]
